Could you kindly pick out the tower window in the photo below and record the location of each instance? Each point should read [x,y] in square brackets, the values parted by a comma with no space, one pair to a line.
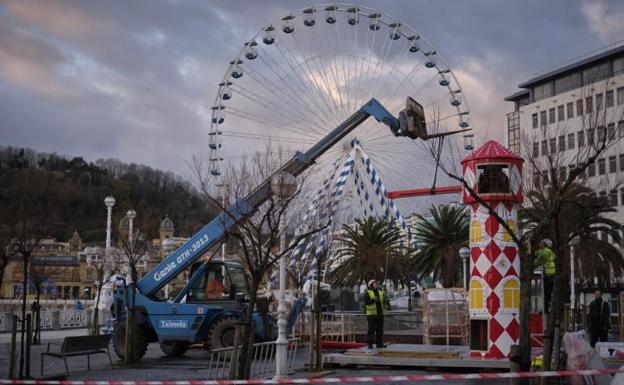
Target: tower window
[493,179]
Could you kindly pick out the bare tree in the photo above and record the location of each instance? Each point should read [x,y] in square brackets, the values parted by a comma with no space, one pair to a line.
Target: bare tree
[134,247]
[39,276]
[105,267]
[256,236]
[5,250]
[599,140]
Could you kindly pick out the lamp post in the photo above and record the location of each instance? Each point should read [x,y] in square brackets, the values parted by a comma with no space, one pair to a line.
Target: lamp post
[573,242]
[131,215]
[464,253]
[283,186]
[109,201]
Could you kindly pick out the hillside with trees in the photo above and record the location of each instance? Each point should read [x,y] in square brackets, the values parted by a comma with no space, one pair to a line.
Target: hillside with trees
[79,188]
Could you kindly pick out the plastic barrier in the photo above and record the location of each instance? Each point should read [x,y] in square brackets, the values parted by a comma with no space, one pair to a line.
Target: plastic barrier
[331,380]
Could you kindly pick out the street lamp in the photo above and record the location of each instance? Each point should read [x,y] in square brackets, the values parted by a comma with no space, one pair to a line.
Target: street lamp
[131,215]
[109,201]
[573,242]
[283,185]
[464,253]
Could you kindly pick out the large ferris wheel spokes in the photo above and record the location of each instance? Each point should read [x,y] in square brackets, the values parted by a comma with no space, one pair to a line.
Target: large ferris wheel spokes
[306,72]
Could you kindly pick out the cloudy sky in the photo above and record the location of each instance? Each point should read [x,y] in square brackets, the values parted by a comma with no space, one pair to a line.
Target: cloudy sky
[132,80]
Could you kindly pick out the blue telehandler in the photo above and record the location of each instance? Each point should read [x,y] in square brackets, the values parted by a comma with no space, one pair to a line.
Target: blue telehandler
[193,316]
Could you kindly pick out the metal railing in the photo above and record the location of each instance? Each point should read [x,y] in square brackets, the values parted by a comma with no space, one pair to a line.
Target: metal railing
[344,326]
[60,319]
[222,363]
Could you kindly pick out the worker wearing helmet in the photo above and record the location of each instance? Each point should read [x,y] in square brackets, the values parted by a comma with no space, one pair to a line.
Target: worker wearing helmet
[545,257]
[374,301]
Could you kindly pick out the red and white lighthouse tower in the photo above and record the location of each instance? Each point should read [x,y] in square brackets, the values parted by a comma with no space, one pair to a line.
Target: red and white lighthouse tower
[495,174]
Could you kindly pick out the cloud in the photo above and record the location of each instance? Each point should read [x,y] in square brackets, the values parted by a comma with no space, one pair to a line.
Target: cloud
[604,19]
[136,80]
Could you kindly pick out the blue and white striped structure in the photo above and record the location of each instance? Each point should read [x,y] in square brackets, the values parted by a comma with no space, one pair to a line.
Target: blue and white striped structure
[312,210]
[332,204]
[379,189]
[372,195]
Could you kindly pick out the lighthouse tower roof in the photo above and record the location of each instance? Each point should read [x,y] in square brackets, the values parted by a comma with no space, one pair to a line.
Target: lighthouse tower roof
[492,150]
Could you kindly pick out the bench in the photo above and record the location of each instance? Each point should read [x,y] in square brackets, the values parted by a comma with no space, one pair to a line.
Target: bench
[80,346]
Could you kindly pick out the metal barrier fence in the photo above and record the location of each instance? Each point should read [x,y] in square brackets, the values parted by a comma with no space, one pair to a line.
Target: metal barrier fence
[222,363]
[344,326]
[60,319]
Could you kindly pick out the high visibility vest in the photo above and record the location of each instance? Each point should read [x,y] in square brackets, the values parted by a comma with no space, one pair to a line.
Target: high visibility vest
[546,257]
[372,308]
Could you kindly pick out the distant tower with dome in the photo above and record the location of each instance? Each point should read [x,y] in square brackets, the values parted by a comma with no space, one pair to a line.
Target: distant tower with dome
[166,229]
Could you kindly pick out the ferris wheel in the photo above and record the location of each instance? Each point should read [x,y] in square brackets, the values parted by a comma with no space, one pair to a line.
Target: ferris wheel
[303,74]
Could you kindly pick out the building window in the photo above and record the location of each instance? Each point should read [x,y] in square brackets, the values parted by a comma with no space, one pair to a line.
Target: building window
[602,134]
[562,146]
[566,83]
[561,113]
[570,169]
[545,178]
[511,294]
[596,73]
[620,95]
[570,108]
[599,98]
[610,99]
[622,196]
[611,131]
[620,129]
[589,104]
[562,173]
[622,162]
[543,118]
[477,294]
[553,145]
[535,149]
[544,148]
[551,115]
[542,92]
[571,141]
[618,65]
[581,138]
[612,164]
[602,166]
[613,198]
[591,170]
[535,122]
[579,107]
[590,136]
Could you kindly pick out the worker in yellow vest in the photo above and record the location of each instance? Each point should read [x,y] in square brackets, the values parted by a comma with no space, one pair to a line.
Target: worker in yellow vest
[374,302]
[545,257]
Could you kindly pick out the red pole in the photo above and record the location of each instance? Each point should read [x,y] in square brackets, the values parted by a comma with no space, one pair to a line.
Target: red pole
[424,191]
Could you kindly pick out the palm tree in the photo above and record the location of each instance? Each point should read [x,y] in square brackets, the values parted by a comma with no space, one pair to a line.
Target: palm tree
[584,215]
[439,239]
[370,249]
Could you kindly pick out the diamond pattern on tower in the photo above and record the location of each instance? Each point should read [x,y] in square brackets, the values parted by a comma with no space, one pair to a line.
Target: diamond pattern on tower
[492,251]
[493,303]
[511,253]
[513,329]
[495,329]
[475,253]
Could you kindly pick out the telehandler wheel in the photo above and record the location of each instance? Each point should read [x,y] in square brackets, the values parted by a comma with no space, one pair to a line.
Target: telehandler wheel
[221,333]
[174,348]
[119,341]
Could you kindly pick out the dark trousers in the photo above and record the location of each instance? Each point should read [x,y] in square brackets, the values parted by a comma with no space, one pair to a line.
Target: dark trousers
[598,335]
[375,330]
[548,288]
